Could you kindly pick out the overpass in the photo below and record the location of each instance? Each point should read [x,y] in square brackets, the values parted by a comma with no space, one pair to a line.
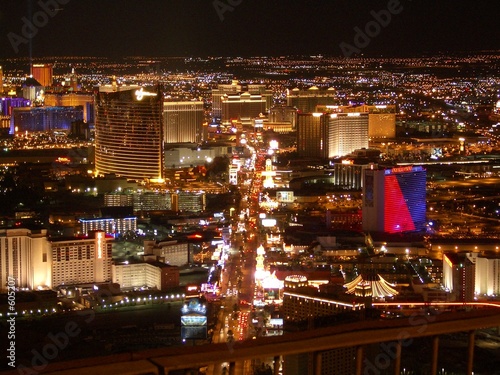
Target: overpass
[396,333]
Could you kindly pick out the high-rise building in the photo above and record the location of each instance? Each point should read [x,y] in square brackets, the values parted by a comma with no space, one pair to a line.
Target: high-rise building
[43,73]
[173,252]
[394,199]
[487,276]
[283,114]
[154,275]
[346,132]
[219,92]
[72,100]
[25,257]
[381,118]
[42,119]
[311,131]
[183,121]
[112,226]
[33,91]
[242,106]
[307,100]
[459,275]
[235,88]
[7,105]
[1,81]
[81,261]
[129,132]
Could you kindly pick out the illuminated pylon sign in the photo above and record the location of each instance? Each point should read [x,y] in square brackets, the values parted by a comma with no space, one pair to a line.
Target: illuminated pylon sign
[140,94]
[260,272]
[268,174]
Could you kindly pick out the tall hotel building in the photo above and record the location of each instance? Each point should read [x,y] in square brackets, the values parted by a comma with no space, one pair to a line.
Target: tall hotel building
[381,118]
[394,199]
[183,121]
[283,114]
[346,133]
[307,100]
[25,256]
[73,99]
[242,106]
[81,261]
[129,132]
[311,131]
[43,73]
[235,88]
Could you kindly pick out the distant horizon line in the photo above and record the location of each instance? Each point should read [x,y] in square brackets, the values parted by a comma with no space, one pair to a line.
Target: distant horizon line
[276,56]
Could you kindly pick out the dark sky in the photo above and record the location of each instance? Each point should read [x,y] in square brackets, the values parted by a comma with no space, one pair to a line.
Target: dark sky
[249,28]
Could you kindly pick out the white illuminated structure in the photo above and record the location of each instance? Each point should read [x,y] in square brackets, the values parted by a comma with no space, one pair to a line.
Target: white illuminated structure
[370,286]
[346,132]
[260,272]
[268,174]
[273,289]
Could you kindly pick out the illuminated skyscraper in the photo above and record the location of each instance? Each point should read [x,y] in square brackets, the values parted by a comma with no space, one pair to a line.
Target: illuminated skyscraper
[394,199]
[86,100]
[381,118]
[242,106]
[25,257]
[346,133]
[42,119]
[307,100]
[311,131]
[1,81]
[236,89]
[283,114]
[183,121]
[129,132]
[459,275]
[81,261]
[42,73]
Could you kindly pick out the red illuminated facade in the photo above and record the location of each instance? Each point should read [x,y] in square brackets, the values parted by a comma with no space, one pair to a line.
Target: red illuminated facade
[394,199]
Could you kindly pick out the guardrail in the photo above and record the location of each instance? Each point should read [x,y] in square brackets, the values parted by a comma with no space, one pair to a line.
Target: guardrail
[358,335]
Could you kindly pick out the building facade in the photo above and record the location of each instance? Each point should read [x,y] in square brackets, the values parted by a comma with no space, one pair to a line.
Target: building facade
[174,253]
[459,276]
[81,261]
[86,101]
[44,119]
[43,73]
[306,101]
[235,89]
[346,132]
[242,106]
[183,121]
[25,257]
[153,275]
[283,114]
[487,276]
[129,132]
[394,200]
[112,226]
[381,118]
[311,131]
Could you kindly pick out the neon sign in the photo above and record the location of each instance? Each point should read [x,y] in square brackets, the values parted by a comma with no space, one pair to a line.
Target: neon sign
[404,169]
[140,94]
[100,235]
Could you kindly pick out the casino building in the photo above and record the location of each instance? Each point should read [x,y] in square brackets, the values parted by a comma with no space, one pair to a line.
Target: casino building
[394,199]
[129,132]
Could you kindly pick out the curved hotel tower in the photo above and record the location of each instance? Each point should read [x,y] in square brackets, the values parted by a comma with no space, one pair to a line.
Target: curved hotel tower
[128,132]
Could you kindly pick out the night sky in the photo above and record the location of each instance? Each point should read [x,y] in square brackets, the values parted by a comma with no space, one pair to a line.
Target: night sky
[114,28]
